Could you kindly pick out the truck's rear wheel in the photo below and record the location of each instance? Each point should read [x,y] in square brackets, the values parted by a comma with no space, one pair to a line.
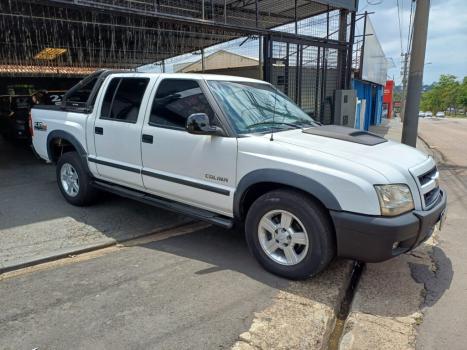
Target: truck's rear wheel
[74,181]
[289,234]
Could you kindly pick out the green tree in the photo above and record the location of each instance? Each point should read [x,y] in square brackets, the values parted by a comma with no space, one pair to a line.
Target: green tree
[448,89]
[462,95]
[431,100]
[445,94]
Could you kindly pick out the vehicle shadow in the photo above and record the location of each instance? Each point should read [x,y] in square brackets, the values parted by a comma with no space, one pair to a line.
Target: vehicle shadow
[403,286]
[436,279]
[227,250]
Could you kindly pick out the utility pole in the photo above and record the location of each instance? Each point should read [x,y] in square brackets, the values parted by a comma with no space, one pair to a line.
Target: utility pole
[404,84]
[417,64]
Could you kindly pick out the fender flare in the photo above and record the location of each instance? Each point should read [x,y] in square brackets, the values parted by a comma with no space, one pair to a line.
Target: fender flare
[60,134]
[287,178]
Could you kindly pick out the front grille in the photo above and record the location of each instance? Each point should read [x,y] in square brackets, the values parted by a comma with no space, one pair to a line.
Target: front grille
[431,197]
[429,186]
[425,178]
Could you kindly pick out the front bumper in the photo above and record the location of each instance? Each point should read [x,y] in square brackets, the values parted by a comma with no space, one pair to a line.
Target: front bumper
[377,238]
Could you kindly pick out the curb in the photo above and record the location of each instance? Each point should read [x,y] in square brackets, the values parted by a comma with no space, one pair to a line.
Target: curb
[90,248]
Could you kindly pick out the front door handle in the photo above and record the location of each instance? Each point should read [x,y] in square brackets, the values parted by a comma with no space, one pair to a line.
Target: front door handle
[147,138]
[98,130]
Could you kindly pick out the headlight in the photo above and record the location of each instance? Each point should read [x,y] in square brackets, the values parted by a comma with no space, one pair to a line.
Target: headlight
[394,199]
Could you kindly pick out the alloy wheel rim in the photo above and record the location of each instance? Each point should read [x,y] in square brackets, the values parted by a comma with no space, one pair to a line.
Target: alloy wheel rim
[283,237]
[69,179]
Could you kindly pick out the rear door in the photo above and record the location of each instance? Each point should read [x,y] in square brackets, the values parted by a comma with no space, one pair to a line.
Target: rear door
[195,169]
[117,130]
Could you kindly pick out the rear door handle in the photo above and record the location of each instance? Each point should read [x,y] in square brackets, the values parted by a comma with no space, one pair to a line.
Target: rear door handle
[98,130]
[147,138]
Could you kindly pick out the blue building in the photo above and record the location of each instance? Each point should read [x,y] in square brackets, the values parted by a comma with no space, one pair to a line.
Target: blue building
[370,75]
[372,94]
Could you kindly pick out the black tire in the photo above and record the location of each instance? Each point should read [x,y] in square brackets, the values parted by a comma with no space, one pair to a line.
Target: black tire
[316,223]
[86,193]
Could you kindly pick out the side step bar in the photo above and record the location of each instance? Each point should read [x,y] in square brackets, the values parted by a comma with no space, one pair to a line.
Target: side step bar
[168,204]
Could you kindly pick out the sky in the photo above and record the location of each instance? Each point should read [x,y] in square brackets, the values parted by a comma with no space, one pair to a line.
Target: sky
[447,35]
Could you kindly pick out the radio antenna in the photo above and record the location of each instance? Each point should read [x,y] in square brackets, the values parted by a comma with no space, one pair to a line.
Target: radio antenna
[273,115]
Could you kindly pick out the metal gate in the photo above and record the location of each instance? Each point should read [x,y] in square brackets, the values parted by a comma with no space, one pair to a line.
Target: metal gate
[307,72]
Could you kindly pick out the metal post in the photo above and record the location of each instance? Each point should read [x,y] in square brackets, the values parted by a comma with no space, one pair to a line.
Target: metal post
[362,50]
[225,11]
[342,53]
[297,75]
[348,72]
[318,59]
[202,60]
[286,70]
[300,85]
[257,13]
[295,17]
[404,84]
[267,57]
[417,63]
[323,84]
[260,58]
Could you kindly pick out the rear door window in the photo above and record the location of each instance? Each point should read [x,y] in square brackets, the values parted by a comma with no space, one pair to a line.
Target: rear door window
[122,99]
[81,95]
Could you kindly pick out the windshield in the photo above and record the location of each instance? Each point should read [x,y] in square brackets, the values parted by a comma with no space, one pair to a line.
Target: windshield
[257,107]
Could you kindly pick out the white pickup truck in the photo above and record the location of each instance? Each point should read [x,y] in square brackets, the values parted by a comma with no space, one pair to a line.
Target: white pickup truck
[235,150]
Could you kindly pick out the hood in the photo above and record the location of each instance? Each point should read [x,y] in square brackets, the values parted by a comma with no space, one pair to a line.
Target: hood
[364,148]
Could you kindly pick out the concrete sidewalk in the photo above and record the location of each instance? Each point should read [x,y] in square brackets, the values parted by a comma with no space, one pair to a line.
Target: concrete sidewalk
[36,222]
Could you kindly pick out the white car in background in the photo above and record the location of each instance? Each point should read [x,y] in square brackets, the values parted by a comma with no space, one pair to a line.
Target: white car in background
[440,115]
[421,114]
[429,114]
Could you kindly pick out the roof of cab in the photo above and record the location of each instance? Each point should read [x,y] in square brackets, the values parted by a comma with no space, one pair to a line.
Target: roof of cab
[197,76]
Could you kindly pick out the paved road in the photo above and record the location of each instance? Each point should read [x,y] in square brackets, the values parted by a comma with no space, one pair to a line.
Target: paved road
[200,290]
[196,291]
[35,220]
[445,321]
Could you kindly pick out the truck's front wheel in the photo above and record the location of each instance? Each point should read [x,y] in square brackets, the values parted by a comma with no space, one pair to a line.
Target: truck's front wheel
[289,234]
[73,180]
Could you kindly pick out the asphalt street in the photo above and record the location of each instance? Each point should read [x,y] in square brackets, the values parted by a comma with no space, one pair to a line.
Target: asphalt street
[196,291]
[445,319]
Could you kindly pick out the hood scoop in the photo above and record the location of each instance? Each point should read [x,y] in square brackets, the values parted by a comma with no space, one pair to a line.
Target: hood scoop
[346,134]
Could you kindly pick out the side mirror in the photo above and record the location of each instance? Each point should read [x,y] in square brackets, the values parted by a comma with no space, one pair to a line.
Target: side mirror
[199,124]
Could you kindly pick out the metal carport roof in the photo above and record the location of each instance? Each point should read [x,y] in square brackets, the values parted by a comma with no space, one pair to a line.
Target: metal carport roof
[129,33]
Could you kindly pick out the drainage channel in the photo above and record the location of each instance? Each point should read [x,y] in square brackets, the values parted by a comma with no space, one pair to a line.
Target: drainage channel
[344,310]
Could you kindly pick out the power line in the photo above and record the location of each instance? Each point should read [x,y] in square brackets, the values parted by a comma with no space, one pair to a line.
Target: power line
[410,33]
[400,26]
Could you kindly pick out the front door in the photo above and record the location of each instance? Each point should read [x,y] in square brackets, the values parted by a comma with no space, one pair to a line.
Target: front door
[117,131]
[195,169]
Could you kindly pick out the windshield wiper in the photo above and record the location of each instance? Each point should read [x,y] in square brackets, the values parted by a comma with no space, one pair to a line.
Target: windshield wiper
[275,122]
